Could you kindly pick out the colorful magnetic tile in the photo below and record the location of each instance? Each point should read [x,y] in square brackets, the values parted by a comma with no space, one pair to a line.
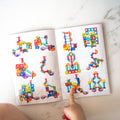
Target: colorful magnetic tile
[26,92]
[42,43]
[96,61]
[96,83]
[90,37]
[22,70]
[20,48]
[43,65]
[68,45]
[77,84]
[51,93]
[72,67]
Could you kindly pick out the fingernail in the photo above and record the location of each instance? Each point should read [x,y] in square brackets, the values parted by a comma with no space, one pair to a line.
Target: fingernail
[73,87]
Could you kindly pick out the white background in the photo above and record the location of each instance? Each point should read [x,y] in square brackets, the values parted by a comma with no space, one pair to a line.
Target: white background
[26,15]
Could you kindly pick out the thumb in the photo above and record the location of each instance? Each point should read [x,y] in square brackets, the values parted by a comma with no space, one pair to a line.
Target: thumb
[71,95]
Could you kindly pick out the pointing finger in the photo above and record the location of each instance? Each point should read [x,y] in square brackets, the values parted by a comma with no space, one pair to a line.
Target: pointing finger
[71,95]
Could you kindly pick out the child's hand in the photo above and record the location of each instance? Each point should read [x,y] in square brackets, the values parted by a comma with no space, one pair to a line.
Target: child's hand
[74,111]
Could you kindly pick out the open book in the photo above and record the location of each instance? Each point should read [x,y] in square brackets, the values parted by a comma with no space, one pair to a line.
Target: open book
[47,63]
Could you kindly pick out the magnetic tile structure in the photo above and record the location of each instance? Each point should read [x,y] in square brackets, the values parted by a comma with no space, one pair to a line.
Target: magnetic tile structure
[20,48]
[73,66]
[43,65]
[48,87]
[90,37]
[77,84]
[96,61]
[68,45]
[96,83]
[22,70]
[26,92]
[42,43]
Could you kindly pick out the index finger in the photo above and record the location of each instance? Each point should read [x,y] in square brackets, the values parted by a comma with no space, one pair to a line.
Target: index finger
[71,95]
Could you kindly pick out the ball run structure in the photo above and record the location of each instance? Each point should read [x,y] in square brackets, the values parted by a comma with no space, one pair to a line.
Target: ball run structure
[52,92]
[69,84]
[22,70]
[26,92]
[98,83]
[43,65]
[20,48]
[42,43]
[96,61]
[90,37]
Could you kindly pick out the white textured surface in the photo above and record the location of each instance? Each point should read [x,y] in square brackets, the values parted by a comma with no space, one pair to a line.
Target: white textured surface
[26,15]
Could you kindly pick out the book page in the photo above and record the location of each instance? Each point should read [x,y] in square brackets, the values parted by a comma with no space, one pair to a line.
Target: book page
[34,67]
[82,61]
